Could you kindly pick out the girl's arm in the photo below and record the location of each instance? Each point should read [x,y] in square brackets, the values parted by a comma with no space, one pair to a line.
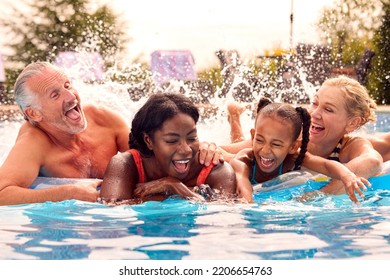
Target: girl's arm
[230,150]
[337,170]
[242,169]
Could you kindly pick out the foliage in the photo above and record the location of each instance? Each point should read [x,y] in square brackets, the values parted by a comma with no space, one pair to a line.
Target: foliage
[351,26]
[53,26]
[348,28]
[213,75]
[6,97]
[379,84]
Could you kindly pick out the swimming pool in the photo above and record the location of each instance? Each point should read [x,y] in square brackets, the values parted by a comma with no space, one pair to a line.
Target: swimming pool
[276,227]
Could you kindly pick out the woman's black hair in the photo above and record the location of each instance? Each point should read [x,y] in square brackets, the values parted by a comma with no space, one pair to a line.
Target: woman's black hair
[151,116]
[299,118]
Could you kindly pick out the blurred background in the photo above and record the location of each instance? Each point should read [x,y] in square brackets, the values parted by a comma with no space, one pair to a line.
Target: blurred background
[274,47]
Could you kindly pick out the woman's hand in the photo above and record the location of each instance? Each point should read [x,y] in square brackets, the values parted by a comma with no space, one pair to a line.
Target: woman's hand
[352,184]
[166,186]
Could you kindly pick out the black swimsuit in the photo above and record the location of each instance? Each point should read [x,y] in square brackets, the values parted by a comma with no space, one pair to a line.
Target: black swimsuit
[336,152]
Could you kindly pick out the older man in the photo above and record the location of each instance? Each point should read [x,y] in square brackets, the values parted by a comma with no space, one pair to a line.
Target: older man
[60,138]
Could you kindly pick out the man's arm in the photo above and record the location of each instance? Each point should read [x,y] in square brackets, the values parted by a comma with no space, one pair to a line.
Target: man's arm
[122,132]
[21,168]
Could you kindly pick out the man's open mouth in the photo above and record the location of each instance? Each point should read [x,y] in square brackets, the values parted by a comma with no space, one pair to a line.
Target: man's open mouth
[73,112]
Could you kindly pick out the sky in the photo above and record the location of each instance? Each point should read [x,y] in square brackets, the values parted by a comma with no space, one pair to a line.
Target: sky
[205,26]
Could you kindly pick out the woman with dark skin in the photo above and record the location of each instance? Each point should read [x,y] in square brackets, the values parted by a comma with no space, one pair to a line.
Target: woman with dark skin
[164,157]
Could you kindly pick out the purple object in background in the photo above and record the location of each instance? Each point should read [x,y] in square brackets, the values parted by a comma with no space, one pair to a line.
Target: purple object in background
[88,66]
[169,65]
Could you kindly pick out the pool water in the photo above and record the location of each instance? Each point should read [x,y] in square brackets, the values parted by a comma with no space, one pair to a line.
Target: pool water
[277,227]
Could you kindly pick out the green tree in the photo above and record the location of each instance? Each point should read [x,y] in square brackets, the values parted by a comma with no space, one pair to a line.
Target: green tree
[379,82]
[348,27]
[52,26]
[40,29]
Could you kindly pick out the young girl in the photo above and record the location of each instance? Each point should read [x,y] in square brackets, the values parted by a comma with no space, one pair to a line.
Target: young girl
[277,150]
[164,157]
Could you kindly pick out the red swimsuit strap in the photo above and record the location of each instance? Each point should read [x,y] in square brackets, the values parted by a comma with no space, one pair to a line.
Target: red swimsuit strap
[138,162]
[204,173]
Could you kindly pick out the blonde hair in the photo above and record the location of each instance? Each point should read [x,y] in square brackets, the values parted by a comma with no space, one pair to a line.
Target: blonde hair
[358,102]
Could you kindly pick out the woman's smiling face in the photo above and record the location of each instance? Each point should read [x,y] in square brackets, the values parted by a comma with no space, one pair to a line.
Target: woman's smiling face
[175,145]
[329,117]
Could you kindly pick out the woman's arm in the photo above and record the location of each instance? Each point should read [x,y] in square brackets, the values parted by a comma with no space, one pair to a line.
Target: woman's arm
[222,180]
[162,188]
[361,158]
[381,143]
[230,150]
[337,170]
[119,179]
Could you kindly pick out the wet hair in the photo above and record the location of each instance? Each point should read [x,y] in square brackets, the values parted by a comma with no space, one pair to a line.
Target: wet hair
[24,96]
[298,117]
[159,108]
[358,103]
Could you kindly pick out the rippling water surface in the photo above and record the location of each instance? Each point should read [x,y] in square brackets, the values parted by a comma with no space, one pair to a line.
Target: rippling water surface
[280,228]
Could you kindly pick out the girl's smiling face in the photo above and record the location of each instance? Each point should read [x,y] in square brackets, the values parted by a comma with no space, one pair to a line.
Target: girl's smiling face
[175,145]
[272,142]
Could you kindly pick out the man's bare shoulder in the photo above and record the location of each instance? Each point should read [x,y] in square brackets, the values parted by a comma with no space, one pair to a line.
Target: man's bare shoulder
[32,134]
[98,109]
[103,115]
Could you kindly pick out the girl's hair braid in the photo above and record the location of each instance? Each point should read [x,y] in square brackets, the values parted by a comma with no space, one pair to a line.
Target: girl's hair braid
[305,116]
